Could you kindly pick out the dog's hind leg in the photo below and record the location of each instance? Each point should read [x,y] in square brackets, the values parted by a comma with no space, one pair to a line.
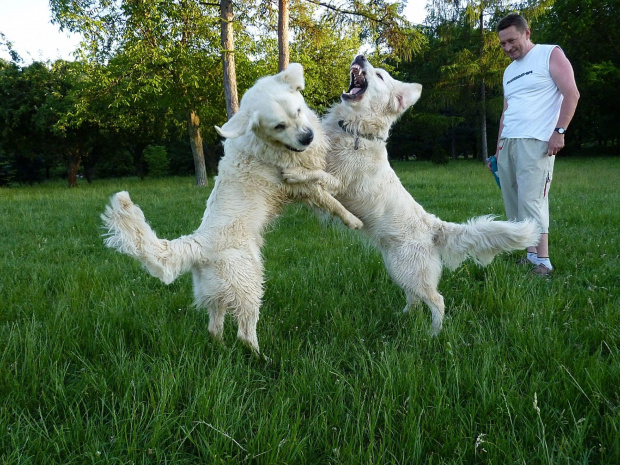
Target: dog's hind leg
[232,283]
[417,272]
[433,299]
[217,315]
[206,296]
[246,331]
[435,302]
[413,301]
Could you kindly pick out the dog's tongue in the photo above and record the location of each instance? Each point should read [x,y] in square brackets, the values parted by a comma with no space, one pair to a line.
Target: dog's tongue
[355,90]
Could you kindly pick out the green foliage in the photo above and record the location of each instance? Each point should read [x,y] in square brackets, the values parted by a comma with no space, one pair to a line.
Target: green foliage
[116,164]
[156,158]
[43,116]
[8,173]
[102,363]
[181,159]
[439,156]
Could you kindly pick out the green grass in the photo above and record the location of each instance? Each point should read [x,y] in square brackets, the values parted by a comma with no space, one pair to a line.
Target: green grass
[101,363]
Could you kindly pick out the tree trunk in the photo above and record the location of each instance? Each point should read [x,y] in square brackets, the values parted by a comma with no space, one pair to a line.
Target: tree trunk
[73,165]
[483,99]
[283,53]
[453,143]
[483,122]
[195,140]
[228,58]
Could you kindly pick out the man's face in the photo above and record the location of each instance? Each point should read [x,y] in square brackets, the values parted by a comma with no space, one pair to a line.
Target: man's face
[513,42]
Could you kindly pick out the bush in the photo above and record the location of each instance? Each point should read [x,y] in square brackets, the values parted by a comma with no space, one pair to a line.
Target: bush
[439,155]
[116,164]
[156,158]
[7,171]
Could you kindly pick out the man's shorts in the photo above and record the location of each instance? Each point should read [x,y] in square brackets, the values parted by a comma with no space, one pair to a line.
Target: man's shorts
[525,172]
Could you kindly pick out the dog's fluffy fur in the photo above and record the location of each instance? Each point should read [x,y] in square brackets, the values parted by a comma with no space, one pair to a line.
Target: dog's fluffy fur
[273,131]
[414,244]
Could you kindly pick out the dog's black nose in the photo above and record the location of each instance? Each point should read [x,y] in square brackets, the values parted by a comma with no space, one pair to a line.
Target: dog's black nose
[306,138]
[360,60]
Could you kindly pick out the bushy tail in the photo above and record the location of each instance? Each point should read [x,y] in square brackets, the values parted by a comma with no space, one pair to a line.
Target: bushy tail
[129,233]
[483,238]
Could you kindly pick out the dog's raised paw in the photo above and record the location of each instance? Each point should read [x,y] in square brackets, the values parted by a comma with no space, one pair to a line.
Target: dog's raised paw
[354,223]
[293,176]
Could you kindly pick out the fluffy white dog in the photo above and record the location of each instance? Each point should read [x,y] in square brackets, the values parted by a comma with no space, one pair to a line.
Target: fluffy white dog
[414,244]
[273,131]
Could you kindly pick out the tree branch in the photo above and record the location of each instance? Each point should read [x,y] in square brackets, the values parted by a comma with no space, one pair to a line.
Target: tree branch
[349,12]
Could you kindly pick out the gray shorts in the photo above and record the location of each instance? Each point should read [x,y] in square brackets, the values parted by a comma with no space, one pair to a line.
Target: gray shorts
[525,172]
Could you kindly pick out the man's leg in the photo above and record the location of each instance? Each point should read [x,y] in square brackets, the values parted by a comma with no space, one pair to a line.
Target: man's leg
[506,171]
[534,178]
[542,250]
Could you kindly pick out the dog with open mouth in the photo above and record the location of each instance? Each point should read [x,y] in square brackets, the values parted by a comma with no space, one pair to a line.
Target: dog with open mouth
[415,245]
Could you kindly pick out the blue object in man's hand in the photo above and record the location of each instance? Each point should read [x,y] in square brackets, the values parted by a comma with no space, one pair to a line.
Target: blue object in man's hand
[493,162]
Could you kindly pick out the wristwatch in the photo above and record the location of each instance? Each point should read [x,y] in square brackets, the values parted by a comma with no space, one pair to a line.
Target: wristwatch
[560,130]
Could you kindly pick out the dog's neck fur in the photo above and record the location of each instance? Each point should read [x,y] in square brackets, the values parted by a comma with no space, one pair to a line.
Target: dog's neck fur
[358,125]
[371,137]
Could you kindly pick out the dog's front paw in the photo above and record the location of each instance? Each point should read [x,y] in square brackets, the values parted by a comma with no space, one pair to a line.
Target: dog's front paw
[353,222]
[294,176]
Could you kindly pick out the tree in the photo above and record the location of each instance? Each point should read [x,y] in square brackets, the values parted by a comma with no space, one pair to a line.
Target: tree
[478,64]
[71,130]
[41,119]
[165,49]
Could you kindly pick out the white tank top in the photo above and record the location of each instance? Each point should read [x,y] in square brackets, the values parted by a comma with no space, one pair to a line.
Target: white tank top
[533,98]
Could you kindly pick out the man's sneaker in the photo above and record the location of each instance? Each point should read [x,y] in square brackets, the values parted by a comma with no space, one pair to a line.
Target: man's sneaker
[542,270]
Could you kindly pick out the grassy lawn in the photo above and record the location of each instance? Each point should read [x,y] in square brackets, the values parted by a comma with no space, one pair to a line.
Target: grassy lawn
[101,363]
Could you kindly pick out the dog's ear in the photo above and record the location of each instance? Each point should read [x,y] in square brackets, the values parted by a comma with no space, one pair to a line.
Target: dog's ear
[293,76]
[408,94]
[239,124]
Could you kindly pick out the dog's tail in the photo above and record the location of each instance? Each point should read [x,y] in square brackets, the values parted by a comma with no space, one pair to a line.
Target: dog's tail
[483,238]
[129,233]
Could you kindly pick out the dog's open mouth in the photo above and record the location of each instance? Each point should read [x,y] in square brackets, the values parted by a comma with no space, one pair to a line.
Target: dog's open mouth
[293,148]
[358,84]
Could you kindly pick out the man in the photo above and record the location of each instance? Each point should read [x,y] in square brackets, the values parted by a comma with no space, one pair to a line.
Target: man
[540,97]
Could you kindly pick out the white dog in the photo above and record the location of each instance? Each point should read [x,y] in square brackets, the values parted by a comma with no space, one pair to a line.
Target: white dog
[273,131]
[414,244]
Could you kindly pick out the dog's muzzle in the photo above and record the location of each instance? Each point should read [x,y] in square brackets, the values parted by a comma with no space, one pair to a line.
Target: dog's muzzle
[304,139]
[357,83]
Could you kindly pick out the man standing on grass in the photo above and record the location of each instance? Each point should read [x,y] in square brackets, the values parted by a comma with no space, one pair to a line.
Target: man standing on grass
[540,97]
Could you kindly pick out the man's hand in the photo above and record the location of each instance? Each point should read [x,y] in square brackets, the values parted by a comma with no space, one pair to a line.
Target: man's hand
[556,143]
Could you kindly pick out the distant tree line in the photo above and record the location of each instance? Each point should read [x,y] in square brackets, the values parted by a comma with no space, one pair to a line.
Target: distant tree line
[147,86]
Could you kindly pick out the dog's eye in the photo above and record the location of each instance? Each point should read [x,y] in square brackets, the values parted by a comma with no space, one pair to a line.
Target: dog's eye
[280,127]
[379,76]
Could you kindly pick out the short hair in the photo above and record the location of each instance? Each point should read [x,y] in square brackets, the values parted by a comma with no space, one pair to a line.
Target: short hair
[513,19]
